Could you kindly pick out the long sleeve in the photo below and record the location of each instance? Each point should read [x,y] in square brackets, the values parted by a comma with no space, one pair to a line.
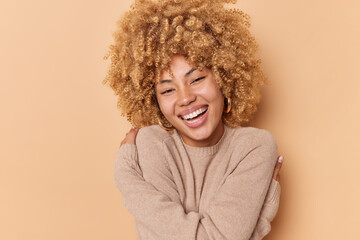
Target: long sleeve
[160,176]
[165,216]
[149,206]
[240,198]
[268,211]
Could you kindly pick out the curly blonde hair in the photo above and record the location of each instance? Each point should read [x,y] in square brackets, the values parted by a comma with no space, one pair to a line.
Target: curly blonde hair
[206,32]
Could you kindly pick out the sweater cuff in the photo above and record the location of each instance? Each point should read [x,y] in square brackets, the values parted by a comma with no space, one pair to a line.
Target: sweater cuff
[273,195]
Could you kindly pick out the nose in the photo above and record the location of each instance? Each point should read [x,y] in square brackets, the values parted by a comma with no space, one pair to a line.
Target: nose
[185,96]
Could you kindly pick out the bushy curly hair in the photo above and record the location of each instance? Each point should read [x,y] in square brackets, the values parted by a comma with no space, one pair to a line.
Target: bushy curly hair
[206,32]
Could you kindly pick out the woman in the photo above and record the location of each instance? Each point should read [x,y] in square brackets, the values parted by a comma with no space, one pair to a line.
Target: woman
[185,71]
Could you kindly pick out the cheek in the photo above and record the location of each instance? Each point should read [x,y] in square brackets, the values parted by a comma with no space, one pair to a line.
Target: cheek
[166,106]
[219,101]
[212,94]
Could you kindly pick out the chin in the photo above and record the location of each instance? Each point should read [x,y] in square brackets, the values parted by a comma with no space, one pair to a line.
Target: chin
[206,134]
[201,134]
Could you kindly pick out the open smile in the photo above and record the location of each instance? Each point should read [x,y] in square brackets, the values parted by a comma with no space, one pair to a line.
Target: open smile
[195,118]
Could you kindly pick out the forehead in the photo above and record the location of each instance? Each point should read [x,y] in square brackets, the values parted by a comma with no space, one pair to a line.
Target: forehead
[179,67]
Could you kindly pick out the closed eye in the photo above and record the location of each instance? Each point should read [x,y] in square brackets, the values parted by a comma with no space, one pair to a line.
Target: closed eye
[166,91]
[198,79]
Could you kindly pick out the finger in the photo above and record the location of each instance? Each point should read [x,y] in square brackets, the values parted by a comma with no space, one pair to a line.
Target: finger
[279,162]
[278,166]
[133,131]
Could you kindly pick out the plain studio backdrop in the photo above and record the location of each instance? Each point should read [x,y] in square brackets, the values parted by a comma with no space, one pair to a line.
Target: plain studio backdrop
[60,128]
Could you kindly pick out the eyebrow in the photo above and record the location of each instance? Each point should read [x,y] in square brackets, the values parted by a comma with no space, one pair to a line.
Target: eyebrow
[186,75]
[189,72]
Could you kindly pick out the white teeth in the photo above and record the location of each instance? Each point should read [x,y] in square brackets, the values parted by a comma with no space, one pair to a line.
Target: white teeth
[191,121]
[194,114]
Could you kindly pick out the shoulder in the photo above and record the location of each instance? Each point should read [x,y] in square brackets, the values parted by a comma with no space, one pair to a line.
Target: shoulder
[258,144]
[151,134]
[151,138]
[252,136]
[149,144]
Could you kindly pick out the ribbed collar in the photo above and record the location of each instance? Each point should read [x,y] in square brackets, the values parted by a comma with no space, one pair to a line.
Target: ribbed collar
[204,151]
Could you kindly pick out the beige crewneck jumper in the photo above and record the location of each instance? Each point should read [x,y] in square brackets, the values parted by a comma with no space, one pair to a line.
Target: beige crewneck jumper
[179,192]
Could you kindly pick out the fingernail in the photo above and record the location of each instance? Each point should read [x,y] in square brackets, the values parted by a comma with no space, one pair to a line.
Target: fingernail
[280,159]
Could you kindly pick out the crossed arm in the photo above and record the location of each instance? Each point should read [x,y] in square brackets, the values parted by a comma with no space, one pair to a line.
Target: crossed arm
[164,214]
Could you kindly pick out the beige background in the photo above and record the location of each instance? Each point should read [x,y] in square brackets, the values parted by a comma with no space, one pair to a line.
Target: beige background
[59,127]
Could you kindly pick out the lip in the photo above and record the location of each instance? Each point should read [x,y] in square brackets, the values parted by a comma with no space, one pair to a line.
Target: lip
[190,110]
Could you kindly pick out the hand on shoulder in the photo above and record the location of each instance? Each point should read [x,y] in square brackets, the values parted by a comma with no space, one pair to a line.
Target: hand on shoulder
[130,136]
[145,136]
[265,139]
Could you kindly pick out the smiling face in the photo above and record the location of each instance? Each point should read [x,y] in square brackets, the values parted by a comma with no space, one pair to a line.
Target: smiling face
[192,102]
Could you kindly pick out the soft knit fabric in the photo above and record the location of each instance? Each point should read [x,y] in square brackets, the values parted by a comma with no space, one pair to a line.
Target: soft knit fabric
[221,192]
